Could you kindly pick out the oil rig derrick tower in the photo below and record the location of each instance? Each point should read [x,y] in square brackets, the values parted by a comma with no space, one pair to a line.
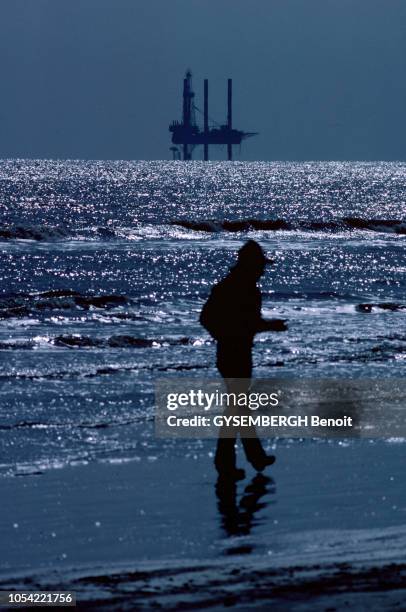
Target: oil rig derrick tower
[188,134]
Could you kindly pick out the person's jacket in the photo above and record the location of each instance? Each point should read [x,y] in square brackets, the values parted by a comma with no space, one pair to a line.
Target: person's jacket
[233,309]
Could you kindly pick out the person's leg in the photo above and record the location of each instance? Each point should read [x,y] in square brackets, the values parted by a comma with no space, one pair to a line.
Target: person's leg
[234,362]
[255,453]
[225,457]
[252,445]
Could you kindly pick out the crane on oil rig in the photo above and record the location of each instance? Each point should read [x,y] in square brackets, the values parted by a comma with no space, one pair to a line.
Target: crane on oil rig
[188,134]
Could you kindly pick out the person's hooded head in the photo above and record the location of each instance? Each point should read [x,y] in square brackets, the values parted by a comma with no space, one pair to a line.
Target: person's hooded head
[252,259]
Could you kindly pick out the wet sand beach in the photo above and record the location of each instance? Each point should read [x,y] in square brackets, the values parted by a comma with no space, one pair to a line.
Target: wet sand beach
[326,525]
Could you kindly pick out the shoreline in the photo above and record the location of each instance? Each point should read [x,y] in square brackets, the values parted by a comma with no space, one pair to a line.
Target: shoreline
[213,586]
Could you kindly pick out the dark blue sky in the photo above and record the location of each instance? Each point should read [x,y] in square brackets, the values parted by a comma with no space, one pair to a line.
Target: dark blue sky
[319,79]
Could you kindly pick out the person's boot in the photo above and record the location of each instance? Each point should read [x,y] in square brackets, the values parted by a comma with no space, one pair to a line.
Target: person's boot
[256,455]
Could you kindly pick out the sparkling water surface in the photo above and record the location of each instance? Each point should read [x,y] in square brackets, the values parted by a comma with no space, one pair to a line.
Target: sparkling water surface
[104,268]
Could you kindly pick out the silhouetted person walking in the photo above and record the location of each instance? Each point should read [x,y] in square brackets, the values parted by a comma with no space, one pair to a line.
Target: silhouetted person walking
[232,315]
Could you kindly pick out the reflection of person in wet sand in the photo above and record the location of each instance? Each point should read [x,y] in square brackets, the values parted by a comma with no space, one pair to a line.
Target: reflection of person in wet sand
[232,315]
[239,518]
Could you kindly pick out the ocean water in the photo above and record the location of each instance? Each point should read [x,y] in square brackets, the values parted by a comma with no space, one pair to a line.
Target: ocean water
[104,268]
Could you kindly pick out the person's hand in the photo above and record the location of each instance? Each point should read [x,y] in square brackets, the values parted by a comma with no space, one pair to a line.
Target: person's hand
[277,325]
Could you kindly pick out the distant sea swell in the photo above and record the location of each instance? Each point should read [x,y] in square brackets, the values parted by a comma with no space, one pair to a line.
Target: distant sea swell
[49,233]
[346,223]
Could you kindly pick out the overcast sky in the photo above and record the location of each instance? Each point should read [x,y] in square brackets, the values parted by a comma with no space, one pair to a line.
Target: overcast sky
[102,79]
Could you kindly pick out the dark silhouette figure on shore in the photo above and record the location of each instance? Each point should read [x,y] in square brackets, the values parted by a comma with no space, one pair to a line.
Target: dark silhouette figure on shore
[232,315]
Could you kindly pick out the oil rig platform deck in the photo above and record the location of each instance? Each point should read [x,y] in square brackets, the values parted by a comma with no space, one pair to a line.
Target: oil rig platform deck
[188,134]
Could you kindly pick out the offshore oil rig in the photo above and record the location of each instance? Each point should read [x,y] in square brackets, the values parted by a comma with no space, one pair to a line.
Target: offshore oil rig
[188,134]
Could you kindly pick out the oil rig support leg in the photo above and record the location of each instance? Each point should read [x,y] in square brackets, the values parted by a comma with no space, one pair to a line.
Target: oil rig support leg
[206,118]
[230,116]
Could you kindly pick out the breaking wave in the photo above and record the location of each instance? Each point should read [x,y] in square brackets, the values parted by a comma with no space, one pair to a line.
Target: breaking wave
[78,341]
[392,226]
[34,232]
[389,306]
[114,342]
[47,233]
[51,234]
[26,304]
